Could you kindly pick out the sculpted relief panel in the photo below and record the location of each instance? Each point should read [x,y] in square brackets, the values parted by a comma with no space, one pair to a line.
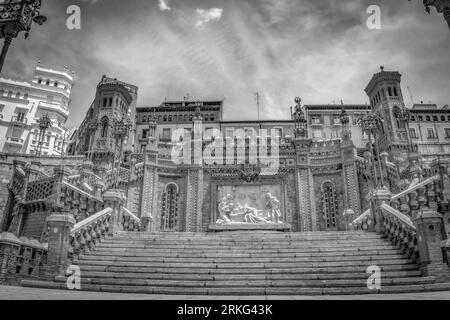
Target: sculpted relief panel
[249,204]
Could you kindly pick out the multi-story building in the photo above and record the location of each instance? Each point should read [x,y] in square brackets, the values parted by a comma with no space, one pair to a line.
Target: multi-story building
[104,134]
[430,130]
[23,103]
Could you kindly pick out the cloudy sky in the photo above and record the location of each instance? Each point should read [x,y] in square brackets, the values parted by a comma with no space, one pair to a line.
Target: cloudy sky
[320,50]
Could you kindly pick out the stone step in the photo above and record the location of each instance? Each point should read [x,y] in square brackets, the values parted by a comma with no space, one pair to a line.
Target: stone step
[230,277]
[251,283]
[242,260]
[219,254]
[248,271]
[249,246]
[250,291]
[241,265]
[245,251]
[248,238]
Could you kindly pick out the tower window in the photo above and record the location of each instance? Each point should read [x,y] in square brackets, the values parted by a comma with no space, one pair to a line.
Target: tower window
[390,92]
[395,92]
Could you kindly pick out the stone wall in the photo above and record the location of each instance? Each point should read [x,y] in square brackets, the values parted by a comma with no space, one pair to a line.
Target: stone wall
[291,204]
[47,165]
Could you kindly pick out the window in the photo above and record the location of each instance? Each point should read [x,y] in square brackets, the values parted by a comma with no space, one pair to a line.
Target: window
[25,97]
[48,82]
[428,118]
[20,116]
[316,120]
[431,133]
[413,133]
[317,134]
[105,101]
[104,132]
[329,206]
[442,118]
[390,92]
[249,132]
[278,132]
[395,92]
[110,102]
[229,132]
[420,118]
[335,134]
[2,106]
[40,81]
[145,134]
[211,117]
[447,133]
[170,208]
[166,134]
[56,84]
[435,118]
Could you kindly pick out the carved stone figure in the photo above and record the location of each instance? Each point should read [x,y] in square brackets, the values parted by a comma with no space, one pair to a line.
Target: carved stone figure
[226,208]
[273,208]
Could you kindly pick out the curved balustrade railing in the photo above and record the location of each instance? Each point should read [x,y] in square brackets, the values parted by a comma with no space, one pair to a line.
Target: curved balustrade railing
[129,221]
[400,230]
[364,221]
[86,234]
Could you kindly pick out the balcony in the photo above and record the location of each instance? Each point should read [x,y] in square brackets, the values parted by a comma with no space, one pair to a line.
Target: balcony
[316,122]
[165,138]
[53,107]
[19,120]
[14,141]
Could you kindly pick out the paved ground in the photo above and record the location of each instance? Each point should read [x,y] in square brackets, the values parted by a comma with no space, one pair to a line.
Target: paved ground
[21,293]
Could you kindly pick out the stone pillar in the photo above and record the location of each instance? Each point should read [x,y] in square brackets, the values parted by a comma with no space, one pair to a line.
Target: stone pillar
[115,199]
[149,195]
[9,248]
[350,176]
[59,226]
[377,198]
[430,237]
[305,186]
[194,199]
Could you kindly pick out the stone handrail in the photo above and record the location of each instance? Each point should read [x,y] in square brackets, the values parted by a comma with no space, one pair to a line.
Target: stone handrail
[85,235]
[364,221]
[20,258]
[415,188]
[400,230]
[129,221]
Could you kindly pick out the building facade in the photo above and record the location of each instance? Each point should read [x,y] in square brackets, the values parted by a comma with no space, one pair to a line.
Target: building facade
[23,103]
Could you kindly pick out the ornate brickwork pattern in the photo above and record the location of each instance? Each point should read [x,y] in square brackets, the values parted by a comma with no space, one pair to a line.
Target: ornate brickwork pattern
[305,210]
[352,189]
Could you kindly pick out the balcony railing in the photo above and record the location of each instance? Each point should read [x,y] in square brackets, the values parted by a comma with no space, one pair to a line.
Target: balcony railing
[54,107]
[19,120]
[15,141]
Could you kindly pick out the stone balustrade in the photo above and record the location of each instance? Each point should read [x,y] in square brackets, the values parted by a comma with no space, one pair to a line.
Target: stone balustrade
[86,234]
[364,221]
[129,221]
[400,230]
[20,258]
[79,203]
[416,197]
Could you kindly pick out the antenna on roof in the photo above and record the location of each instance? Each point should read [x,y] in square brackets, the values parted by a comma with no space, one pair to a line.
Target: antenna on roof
[257,105]
[410,95]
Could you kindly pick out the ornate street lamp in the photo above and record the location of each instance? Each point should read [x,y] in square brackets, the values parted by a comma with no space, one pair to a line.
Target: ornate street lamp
[371,125]
[442,6]
[17,16]
[405,117]
[301,123]
[44,123]
[345,120]
[121,131]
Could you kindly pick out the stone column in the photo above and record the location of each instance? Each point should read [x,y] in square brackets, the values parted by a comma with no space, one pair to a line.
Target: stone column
[430,237]
[194,199]
[60,226]
[305,186]
[9,248]
[115,199]
[149,195]
[377,198]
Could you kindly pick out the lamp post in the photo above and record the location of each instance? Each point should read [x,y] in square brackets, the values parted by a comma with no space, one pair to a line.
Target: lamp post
[44,123]
[442,6]
[17,16]
[301,123]
[371,124]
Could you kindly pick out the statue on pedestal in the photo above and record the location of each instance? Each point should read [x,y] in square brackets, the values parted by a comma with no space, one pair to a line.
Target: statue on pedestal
[273,208]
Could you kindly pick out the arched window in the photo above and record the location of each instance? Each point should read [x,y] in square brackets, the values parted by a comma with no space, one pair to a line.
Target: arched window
[104,133]
[56,84]
[428,118]
[400,124]
[186,117]
[170,208]
[105,101]
[329,205]
[110,102]
[390,92]
[25,96]
[47,83]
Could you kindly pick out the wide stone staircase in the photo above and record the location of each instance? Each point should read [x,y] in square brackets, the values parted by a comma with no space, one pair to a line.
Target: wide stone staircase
[246,263]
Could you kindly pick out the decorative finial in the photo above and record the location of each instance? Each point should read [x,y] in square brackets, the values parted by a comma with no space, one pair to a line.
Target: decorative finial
[298,100]
[382,68]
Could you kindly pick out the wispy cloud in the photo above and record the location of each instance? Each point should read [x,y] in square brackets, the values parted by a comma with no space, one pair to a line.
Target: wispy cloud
[205,16]
[164,6]
[320,50]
